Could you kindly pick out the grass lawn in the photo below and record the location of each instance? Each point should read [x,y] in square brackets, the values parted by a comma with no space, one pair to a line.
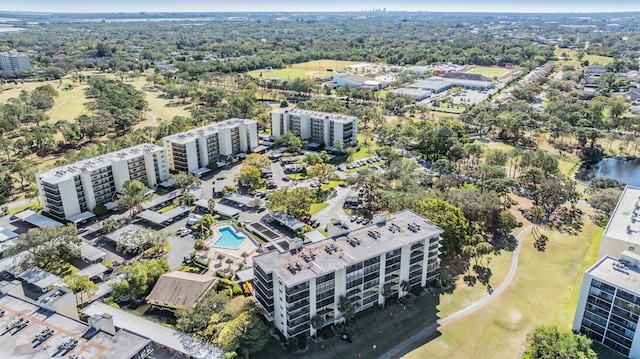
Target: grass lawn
[544,292]
[297,176]
[309,69]
[34,206]
[317,207]
[330,185]
[489,72]
[593,59]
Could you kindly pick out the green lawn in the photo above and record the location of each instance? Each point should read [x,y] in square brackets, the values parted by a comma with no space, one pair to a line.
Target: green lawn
[310,69]
[593,59]
[34,206]
[489,72]
[317,207]
[166,209]
[545,291]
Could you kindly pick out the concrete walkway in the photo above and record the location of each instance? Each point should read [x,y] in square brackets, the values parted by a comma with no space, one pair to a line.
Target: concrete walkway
[429,332]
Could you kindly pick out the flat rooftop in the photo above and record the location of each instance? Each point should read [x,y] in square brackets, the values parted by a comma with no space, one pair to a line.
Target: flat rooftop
[393,234]
[624,224]
[66,172]
[208,130]
[91,345]
[611,270]
[317,114]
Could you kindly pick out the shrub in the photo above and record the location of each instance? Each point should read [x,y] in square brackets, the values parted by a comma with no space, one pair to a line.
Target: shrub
[100,209]
[198,245]
[230,286]
[221,274]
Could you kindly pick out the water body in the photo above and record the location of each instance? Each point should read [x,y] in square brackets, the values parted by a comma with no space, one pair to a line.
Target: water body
[618,168]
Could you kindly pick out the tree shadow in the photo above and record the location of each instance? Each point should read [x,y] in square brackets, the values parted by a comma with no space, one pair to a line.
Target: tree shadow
[566,220]
[483,274]
[507,242]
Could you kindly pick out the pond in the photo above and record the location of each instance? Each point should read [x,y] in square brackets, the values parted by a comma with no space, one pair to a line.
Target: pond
[622,169]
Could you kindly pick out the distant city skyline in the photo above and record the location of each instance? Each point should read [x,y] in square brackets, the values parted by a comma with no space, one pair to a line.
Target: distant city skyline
[546,6]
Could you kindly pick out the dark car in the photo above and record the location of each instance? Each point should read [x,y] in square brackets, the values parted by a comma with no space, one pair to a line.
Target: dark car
[286,179]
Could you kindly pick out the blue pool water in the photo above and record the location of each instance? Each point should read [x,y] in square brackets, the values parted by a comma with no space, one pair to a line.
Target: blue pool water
[228,239]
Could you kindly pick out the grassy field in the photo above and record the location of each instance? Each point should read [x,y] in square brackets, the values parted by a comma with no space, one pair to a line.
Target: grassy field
[593,59]
[317,207]
[489,72]
[70,103]
[310,69]
[545,291]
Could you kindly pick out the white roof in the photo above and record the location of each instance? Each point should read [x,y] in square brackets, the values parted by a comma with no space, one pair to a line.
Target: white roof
[80,217]
[201,171]
[225,210]
[38,277]
[208,130]
[167,337]
[93,270]
[62,173]
[624,224]
[37,219]
[91,253]
[6,235]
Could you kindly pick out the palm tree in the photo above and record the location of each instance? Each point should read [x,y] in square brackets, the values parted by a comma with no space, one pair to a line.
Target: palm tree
[317,321]
[536,213]
[346,308]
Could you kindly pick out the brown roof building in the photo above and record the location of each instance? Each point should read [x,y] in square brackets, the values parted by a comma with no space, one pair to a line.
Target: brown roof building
[179,290]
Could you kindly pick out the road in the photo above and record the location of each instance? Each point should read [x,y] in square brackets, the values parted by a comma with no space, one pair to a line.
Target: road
[430,331]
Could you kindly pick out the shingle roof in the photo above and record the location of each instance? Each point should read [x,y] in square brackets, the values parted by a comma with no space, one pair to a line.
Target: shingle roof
[179,289]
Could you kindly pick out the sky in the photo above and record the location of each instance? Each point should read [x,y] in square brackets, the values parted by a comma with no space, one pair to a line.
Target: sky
[320,5]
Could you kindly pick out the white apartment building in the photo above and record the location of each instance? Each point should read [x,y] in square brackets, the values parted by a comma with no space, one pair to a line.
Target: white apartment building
[295,286]
[623,230]
[315,127]
[13,61]
[609,303]
[70,190]
[217,142]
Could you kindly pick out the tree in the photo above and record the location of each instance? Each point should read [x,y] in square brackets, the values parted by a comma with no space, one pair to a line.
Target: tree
[193,320]
[132,196]
[322,171]
[249,176]
[245,332]
[257,160]
[346,308]
[295,202]
[80,284]
[184,181]
[138,239]
[548,342]
[448,217]
[317,321]
[387,291]
[138,279]
[48,248]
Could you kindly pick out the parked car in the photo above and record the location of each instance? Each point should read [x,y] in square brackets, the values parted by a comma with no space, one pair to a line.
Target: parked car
[286,179]
[354,218]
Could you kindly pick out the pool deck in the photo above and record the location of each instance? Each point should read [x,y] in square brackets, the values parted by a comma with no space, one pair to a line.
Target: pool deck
[248,246]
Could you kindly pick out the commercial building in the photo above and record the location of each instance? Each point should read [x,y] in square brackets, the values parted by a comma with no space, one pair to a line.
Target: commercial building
[215,143]
[609,303]
[358,81]
[14,61]
[70,191]
[389,256]
[321,128]
[438,84]
[50,327]
[623,230]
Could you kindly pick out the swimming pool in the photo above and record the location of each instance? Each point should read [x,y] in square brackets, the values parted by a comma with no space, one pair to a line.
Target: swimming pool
[228,238]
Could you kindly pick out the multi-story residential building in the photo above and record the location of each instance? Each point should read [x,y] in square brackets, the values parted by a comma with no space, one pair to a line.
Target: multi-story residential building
[217,142]
[623,230]
[316,127]
[70,190]
[388,257]
[609,303]
[14,61]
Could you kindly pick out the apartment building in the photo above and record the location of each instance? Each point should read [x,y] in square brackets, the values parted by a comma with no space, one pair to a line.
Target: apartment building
[70,190]
[609,303]
[217,142]
[623,230]
[315,127]
[14,61]
[292,287]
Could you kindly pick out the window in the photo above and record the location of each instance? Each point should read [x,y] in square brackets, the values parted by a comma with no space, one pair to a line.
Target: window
[632,249]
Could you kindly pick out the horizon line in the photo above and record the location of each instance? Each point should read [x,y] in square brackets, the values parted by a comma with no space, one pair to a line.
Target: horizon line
[27,12]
